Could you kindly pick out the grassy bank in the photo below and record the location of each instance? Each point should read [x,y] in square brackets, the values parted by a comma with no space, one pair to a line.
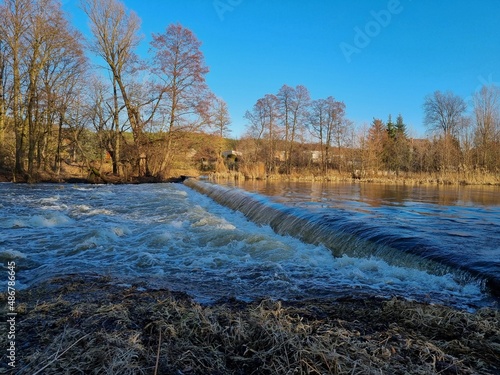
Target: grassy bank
[76,325]
[405,178]
[81,174]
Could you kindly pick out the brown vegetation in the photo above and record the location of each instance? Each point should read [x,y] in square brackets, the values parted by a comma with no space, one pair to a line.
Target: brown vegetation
[151,116]
[380,178]
[78,324]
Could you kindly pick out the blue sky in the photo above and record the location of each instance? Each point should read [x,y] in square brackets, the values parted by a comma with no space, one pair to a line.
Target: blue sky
[379,57]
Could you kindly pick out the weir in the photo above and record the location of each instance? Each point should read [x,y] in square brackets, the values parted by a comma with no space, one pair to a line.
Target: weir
[344,237]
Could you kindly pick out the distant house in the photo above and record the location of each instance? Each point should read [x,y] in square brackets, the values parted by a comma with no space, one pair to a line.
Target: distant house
[280,155]
[231,158]
[231,154]
[315,156]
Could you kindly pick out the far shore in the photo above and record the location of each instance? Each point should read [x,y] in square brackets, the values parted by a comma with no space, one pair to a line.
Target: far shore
[477,179]
[380,178]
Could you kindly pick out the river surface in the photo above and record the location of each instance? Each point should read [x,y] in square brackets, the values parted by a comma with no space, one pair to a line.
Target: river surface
[175,236]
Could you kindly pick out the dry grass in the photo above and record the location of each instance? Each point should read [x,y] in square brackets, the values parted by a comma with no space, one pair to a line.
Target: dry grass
[402,179]
[89,325]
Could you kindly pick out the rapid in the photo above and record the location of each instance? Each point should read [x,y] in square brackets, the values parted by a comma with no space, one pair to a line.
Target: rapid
[184,238]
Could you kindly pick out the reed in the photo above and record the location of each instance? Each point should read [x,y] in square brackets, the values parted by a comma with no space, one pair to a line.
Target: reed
[449,178]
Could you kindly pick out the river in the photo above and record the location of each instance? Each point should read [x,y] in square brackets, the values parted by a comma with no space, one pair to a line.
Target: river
[188,237]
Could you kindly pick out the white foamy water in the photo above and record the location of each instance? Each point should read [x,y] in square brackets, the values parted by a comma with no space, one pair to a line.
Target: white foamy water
[173,237]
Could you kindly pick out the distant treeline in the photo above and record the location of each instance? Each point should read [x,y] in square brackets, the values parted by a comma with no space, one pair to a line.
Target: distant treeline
[290,133]
[155,115]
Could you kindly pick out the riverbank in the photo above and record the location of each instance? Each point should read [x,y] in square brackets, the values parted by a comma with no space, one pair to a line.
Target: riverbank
[71,174]
[83,324]
[387,178]
[95,177]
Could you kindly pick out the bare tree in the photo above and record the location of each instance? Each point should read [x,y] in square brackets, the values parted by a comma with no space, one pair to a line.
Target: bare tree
[62,80]
[256,129]
[466,139]
[180,67]
[443,112]
[3,106]
[443,116]
[293,104]
[116,36]
[220,120]
[84,147]
[318,128]
[43,51]
[16,16]
[328,124]
[269,103]
[341,130]
[102,115]
[487,119]
[264,120]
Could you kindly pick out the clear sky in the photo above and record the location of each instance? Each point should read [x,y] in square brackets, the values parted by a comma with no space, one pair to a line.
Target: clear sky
[379,57]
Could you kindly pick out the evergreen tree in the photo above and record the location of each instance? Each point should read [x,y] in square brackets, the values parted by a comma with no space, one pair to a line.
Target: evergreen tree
[401,147]
[391,129]
[377,142]
[400,128]
[397,148]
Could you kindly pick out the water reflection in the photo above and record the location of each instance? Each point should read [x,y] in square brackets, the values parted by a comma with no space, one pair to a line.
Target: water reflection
[375,195]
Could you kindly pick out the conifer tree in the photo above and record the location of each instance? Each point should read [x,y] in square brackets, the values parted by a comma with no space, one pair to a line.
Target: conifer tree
[400,128]
[391,130]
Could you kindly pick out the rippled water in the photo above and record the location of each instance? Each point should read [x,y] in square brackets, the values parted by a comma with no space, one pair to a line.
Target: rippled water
[457,225]
[172,236]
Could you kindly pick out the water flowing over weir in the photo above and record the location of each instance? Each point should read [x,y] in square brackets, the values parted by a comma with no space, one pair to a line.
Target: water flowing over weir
[344,237]
[172,236]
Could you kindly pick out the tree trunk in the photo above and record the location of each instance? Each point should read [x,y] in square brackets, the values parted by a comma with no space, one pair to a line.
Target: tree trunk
[115,156]
[19,122]
[57,159]
[165,165]
[2,103]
